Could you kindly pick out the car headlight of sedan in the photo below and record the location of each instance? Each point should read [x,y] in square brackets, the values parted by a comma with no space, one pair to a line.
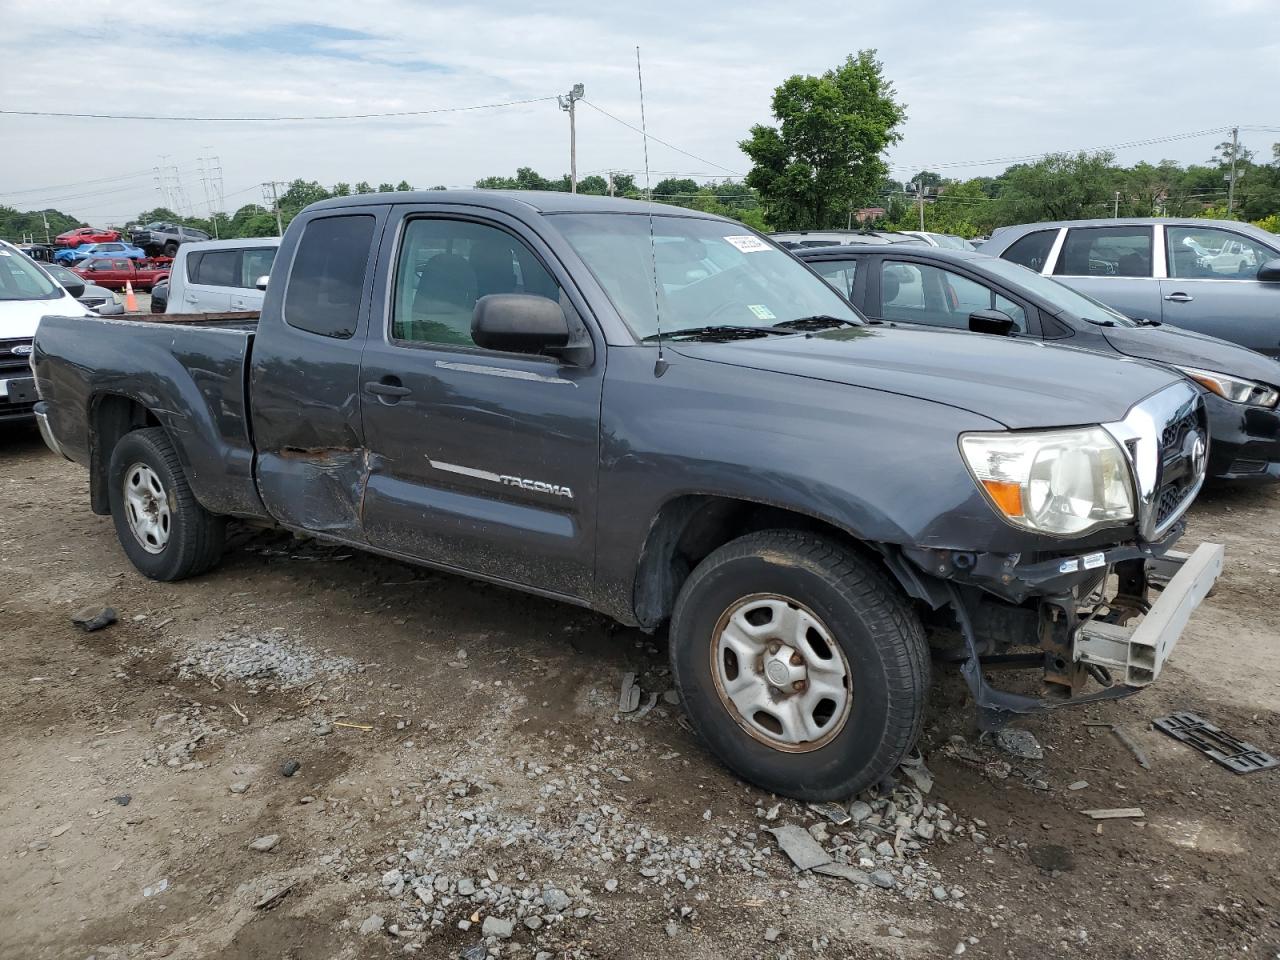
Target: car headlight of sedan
[1236,389]
[1061,482]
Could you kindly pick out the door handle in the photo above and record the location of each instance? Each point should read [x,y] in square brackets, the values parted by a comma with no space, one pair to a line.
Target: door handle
[389,387]
[1179,298]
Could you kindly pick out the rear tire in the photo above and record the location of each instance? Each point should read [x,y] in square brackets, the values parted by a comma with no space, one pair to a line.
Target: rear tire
[171,249]
[165,532]
[799,610]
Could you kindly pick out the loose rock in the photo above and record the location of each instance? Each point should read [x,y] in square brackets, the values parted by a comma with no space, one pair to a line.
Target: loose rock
[265,844]
[90,619]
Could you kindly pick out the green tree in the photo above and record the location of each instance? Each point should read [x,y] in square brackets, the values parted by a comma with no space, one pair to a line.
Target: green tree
[1060,186]
[593,184]
[825,155]
[363,187]
[341,190]
[675,190]
[301,193]
[403,186]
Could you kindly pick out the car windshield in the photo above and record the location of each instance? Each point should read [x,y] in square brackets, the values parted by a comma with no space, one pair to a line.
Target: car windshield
[1059,295]
[709,272]
[62,274]
[21,279]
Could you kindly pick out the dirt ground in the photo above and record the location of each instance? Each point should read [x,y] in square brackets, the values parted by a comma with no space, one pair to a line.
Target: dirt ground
[483,742]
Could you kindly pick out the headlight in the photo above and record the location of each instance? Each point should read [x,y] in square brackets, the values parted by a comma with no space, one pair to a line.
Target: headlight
[1061,482]
[1236,389]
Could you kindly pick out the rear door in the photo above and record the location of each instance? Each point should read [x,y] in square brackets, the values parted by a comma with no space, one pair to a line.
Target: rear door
[1213,287]
[1112,264]
[207,285]
[479,460]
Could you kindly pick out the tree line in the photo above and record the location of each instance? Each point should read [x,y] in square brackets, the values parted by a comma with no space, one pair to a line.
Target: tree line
[821,165]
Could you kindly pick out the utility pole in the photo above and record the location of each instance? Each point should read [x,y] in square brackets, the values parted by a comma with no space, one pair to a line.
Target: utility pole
[45,218]
[275,203]
[1115,210]
[567,103]
[1231,183]
[611,193]
[919,185]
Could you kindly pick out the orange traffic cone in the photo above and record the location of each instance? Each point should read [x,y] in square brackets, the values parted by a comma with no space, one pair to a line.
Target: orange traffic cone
[130,301]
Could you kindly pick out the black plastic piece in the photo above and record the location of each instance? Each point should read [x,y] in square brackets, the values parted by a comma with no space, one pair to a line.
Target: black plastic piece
[1215,743]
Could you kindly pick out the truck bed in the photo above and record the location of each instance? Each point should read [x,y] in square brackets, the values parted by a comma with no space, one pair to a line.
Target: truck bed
[189,372]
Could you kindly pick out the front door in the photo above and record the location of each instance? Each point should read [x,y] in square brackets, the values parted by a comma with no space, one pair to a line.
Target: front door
[1213,287]
[480,460]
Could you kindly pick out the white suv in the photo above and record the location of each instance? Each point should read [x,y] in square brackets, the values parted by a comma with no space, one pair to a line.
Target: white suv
[217,276]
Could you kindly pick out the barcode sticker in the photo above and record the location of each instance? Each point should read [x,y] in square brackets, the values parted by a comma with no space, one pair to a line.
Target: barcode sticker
[748,244]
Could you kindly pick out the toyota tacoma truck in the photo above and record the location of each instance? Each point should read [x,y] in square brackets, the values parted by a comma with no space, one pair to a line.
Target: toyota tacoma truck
[663,416]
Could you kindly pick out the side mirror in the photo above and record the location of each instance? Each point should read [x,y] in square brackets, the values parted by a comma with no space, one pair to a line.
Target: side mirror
[75,289]
[261,282]
[519,323]
[992,321]
[1270,271]
[90,267]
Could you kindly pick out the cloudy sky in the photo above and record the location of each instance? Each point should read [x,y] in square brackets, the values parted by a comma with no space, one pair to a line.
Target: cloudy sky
[985,81]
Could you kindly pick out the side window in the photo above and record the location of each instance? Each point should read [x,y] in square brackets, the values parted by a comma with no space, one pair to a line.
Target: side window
[1106,252]
[218,268]
[920,293]
[839,273]
[1031,251]
[119,264]
[1207,253]
[255,262]
[328,274]
[445,266]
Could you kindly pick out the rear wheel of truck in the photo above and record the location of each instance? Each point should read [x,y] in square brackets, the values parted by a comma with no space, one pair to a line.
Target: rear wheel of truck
[170,249]
[803,668]
[165,532]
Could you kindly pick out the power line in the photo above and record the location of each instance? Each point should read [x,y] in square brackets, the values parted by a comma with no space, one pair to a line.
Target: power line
[335,116]
[671,146]
[78,183]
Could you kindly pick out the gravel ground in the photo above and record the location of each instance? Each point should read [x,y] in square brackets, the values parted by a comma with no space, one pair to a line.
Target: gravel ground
[318,754]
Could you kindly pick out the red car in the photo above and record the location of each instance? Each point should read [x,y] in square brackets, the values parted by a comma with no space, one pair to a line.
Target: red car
[113,272]
[73,238]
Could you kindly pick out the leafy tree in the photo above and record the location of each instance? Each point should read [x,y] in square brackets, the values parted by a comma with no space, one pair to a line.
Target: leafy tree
[363,187]
[1060,186]
[675,190]
[341,190]
[386,188]
[624,185]
[403,186]
[17,225]
[593,184]
[928,179]
[825,155]
[301,193]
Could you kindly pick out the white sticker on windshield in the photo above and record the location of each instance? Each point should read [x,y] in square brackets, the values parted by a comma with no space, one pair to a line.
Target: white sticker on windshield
[761,311]
[748,244]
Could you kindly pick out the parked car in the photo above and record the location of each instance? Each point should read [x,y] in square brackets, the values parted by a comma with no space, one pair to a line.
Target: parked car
[114,273]
[74,238]
[115,248]
[160,296]
[948,240]
[88,294]
[798,239]
[40,252]
[1219,277]
[215,276]
[27,293]
[964,291]
[163,239]
[496,384]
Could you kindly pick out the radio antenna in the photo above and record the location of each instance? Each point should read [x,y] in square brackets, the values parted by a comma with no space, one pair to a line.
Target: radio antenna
[660,365]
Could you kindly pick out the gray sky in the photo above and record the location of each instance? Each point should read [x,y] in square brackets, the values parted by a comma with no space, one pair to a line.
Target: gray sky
[982,81]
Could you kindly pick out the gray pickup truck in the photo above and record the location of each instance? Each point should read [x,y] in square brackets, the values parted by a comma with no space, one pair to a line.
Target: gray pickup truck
[663,416]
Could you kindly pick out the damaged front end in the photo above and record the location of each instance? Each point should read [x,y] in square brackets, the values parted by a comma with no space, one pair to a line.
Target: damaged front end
[1102,621]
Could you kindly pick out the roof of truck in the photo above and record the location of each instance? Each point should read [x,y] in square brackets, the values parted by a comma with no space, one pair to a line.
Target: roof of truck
[542,201]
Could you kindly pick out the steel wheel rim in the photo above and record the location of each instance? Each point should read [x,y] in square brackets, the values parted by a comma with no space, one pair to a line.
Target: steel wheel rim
[146,508]
[780,673]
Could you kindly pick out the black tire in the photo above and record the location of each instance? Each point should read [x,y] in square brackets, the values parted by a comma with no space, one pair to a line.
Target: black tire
[170,249]
[879,634]
[195,536]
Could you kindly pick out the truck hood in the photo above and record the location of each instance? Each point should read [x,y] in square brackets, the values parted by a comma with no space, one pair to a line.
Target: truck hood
[1018,383]
[19,318]
[1166,344]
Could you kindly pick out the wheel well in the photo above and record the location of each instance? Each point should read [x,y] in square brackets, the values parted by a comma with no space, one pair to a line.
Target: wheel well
[111,417]
[687,529]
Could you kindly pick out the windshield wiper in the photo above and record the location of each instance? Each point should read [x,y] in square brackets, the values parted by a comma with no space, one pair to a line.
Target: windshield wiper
[722,332]
[819,321]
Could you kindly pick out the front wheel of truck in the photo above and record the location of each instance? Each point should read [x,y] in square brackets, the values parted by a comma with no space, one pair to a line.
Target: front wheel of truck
[802,667]
[165,532]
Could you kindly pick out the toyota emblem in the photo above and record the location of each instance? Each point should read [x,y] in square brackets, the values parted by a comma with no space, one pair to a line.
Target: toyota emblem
[1196,450]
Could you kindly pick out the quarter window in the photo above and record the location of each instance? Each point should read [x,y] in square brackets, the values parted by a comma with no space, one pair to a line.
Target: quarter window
[1105,252]
[328,275]
[839,273]
[217,268]
[255,262]
[920,293]
[1206,253]
[445,266]
[1031,251]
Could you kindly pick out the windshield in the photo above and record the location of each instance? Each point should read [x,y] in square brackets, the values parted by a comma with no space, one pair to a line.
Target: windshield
[709,273]
[62,274]
[21,279]
[1059,295]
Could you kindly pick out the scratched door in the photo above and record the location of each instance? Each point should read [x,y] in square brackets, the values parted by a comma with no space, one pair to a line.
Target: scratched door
[479,460]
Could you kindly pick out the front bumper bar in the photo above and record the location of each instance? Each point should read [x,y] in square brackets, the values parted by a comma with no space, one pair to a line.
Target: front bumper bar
[1137,653]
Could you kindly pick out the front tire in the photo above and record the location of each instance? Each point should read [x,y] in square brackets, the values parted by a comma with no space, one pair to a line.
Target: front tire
[802,667]
[164,531]
[170,249]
